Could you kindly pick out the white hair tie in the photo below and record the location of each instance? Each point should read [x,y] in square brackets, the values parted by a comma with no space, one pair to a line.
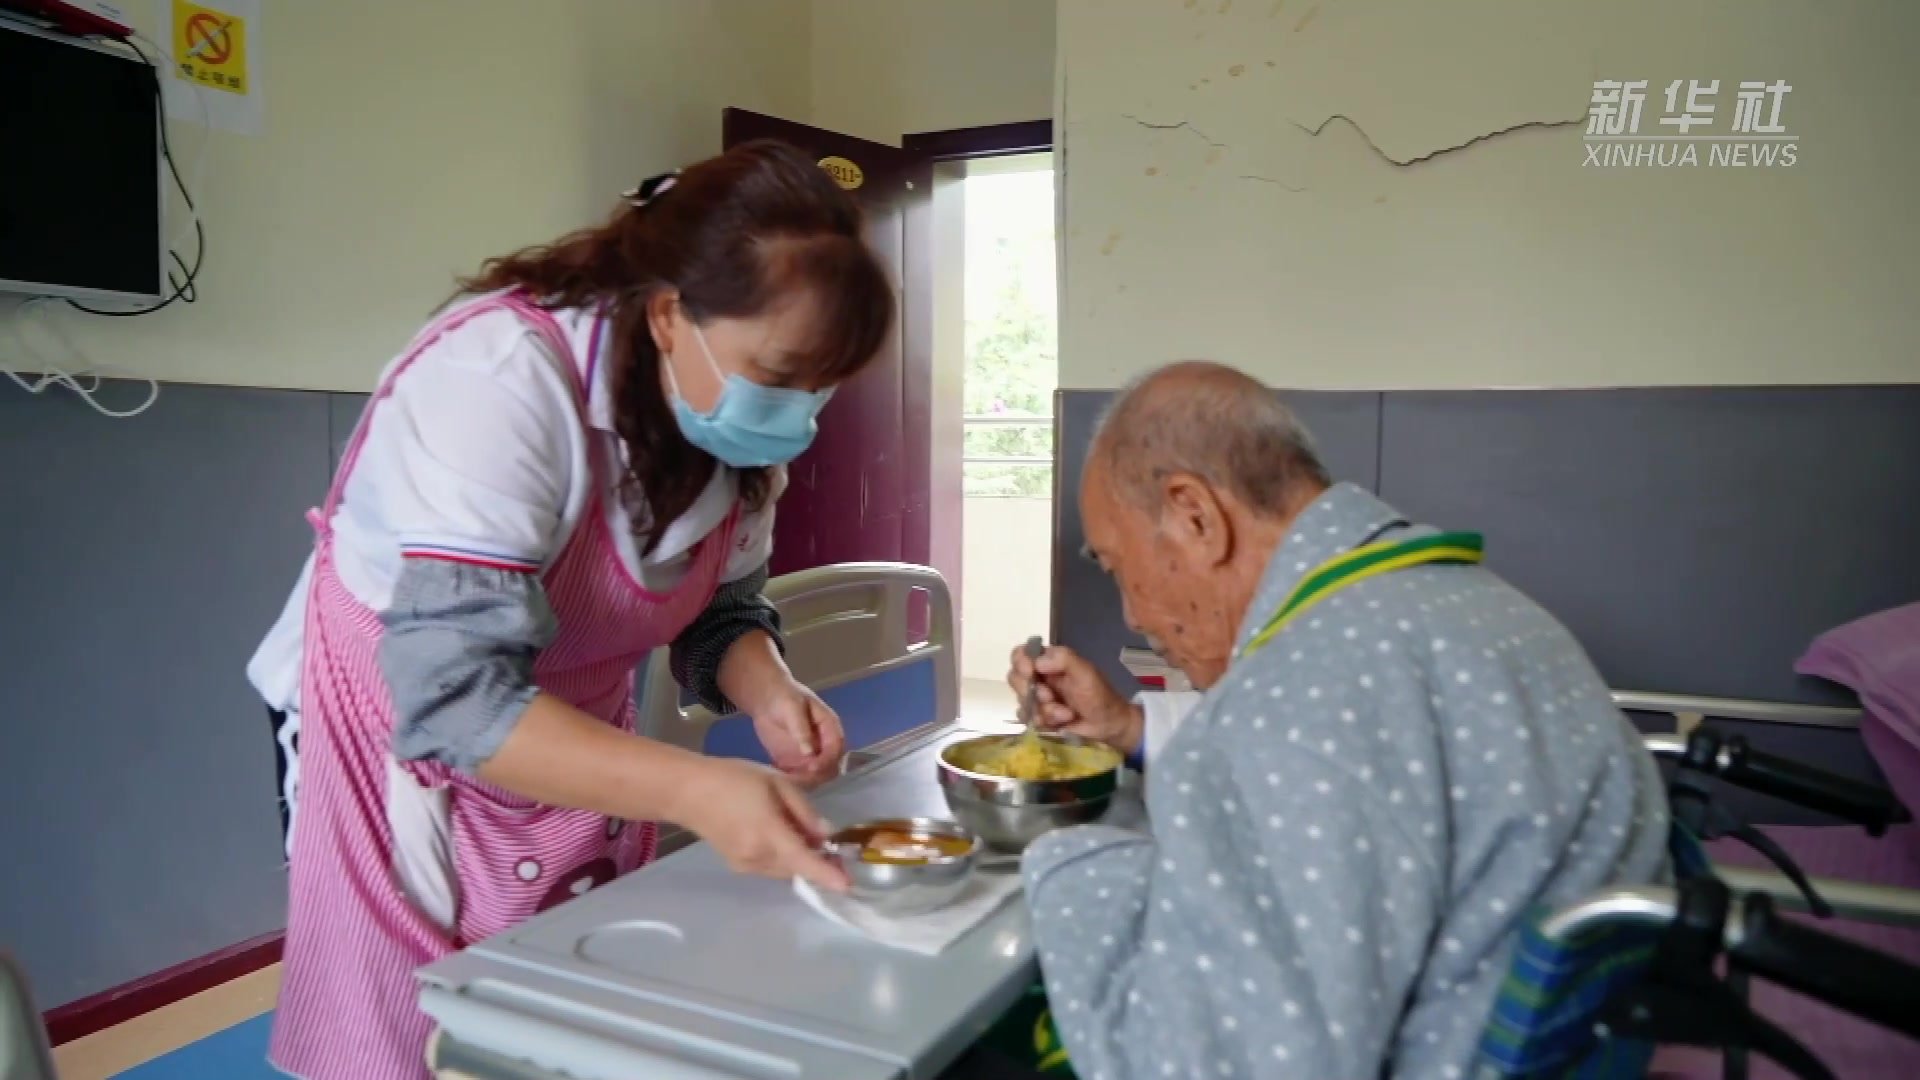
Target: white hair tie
[651,189]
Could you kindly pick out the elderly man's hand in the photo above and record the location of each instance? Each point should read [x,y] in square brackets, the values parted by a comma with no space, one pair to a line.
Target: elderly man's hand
[1076,699]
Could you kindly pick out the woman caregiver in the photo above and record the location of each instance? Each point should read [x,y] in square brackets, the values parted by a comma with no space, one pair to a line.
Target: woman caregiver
[574,464]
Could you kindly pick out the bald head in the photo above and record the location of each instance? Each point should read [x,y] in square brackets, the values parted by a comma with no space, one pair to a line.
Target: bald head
[1212,422]
[1193,479]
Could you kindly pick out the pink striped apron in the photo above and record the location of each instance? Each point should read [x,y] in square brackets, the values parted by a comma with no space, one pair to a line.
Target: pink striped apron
[348,998]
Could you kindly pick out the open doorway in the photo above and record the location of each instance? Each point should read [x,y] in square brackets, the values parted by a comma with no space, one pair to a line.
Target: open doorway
[996,215]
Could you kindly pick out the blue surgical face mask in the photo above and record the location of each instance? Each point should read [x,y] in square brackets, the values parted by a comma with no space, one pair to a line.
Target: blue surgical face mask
[750,425]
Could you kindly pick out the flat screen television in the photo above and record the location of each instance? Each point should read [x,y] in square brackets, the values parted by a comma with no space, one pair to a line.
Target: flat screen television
[82,205]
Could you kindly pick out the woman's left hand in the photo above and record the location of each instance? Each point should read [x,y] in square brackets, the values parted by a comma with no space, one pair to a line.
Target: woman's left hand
[802,734]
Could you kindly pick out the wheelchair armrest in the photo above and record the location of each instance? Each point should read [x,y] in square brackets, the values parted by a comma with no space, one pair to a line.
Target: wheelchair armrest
[1689,710]
[1865,982]
[1859,901]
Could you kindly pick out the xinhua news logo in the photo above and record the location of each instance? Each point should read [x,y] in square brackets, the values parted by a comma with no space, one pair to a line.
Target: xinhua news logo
[1686,133]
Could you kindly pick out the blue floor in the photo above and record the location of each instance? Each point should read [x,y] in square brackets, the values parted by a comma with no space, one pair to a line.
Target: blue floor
[238,1053]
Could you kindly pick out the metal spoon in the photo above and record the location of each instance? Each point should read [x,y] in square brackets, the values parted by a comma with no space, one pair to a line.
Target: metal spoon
[1036,648]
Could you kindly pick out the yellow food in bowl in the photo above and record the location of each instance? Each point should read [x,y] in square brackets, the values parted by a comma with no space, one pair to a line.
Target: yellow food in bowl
[911,849]
[1020,758]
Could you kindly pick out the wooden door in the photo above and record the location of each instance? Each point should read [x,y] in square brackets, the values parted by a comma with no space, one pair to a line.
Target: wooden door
[871,486]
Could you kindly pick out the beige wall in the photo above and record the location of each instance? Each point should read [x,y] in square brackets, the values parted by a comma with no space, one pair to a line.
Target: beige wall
[1005,590]
[1200,220]
[405,142]
[887,68]
[483,129]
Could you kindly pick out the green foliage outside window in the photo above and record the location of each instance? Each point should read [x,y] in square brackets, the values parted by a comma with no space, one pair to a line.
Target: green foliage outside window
[1012,331]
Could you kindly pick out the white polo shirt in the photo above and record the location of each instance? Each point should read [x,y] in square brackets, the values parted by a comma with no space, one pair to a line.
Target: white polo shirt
[478,456]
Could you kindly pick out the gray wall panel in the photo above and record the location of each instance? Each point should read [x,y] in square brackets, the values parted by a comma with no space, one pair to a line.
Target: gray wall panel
[343,412]
[1086,605]
[145,558]
[1696,540]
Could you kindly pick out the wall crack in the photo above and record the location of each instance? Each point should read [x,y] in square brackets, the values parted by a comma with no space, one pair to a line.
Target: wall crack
[1316,130]
[1270,180]
[1322,126]
[1180,125]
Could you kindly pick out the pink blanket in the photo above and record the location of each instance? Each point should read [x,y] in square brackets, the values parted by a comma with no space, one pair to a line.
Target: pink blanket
[1878,658]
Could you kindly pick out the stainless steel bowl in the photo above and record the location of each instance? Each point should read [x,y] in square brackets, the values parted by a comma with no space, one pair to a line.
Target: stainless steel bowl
[1009,814]
[904,888]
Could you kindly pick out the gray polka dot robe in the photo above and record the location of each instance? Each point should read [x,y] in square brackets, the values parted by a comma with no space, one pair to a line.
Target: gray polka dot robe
[1346,832]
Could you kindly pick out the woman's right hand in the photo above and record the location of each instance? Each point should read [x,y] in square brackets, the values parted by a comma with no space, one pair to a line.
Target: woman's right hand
[759,821]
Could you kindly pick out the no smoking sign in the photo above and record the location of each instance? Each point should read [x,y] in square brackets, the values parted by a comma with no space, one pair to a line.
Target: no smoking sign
[210,47]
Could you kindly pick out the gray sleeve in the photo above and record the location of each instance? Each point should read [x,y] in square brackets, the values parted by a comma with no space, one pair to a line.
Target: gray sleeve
[738,608]
[458,658]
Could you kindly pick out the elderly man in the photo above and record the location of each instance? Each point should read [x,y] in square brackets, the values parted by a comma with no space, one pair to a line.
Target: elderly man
[1397,755]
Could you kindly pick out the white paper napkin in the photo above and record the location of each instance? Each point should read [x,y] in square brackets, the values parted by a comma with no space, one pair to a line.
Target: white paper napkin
[929,934]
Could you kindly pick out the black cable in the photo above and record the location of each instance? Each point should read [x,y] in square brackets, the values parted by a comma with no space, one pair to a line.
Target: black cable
[183,288]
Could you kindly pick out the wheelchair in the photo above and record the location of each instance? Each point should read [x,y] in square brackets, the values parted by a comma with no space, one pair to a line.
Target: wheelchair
[1595,987]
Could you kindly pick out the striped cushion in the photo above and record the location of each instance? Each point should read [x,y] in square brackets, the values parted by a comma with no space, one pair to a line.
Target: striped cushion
[1542,1025]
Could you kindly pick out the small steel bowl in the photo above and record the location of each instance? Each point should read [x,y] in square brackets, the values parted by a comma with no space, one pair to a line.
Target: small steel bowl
[904,888]
[1009,814]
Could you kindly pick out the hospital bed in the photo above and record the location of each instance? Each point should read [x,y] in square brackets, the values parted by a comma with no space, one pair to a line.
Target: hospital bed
[846,629]
[686,970]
